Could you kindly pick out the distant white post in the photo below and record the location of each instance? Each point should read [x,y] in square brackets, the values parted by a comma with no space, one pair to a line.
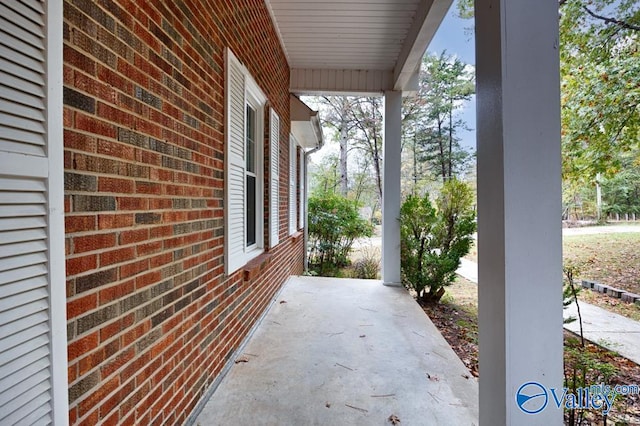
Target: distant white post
[391,197]
[519,211]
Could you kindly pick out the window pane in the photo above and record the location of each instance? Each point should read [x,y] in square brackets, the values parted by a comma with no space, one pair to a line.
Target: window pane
[251,210]
[250,142]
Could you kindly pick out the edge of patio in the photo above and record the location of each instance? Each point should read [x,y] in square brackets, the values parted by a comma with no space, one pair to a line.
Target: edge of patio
[344,351]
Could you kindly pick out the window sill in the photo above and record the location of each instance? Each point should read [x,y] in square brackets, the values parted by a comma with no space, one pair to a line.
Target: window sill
[295,237]
[256,265]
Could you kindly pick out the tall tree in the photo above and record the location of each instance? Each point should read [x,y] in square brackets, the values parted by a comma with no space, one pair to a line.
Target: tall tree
[367,114]
[600,71]
[445,84]
[324,177]
[338,114]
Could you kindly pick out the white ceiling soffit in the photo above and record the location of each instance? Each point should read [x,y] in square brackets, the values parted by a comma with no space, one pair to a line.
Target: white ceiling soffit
[355,46]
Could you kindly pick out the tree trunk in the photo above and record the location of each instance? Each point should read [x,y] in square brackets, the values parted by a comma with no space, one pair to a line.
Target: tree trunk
[429,297]
[443,160]
[344,184]
[415,163]
[450,140]
[376,153]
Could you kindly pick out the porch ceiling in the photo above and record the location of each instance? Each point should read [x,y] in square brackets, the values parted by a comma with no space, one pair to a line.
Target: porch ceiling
[355,45]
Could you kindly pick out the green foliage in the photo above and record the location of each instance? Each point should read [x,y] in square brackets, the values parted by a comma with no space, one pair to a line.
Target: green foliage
[621,192]
[334,223]
[465,9]
[324,176]
[433,239]
[600,70]
[578,201]
[582,367]
[355,124]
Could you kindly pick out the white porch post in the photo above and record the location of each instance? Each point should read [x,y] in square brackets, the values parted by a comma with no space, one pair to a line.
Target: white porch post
[391,188]
[519,209]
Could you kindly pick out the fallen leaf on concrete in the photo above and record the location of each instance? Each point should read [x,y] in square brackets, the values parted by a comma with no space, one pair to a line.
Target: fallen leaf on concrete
[466,376]
[328,405]
[363,335]
[394,420]
[283,301]
[433,378]
[239,360]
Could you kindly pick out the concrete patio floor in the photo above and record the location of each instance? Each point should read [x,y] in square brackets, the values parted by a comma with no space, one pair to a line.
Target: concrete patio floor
[344,352]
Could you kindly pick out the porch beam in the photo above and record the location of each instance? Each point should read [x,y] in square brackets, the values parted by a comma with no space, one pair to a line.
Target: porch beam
[429,16]
[519,207]
[391,188]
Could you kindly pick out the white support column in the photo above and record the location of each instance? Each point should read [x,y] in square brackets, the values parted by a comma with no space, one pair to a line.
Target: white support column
[391,197]
[519,210]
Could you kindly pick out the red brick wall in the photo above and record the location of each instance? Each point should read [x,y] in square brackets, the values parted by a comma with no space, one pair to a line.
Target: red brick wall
[152,318]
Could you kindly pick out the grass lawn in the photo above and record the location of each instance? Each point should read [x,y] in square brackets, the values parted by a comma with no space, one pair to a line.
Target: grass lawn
[612,259]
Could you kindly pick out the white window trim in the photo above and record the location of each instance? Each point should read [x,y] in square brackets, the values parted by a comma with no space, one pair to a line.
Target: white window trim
[302,184]
[255,97]
[293,198]
[57,272]
[274,179]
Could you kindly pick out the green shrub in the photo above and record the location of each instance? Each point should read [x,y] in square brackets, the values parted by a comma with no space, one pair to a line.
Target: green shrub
[334,223]
[581,366]
[433,239]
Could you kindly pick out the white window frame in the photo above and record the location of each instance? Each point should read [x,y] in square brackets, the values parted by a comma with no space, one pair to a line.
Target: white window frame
[57,270]
[237,252]
[253,100]
[274,179]
[302,185]
[293,197]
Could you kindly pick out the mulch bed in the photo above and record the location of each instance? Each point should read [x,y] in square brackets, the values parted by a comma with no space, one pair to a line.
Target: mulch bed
[459,329]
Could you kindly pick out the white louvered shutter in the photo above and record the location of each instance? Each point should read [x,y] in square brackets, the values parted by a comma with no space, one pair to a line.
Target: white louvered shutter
[293,158]
[302,179]
[32,288]
[235,165]
[274,179]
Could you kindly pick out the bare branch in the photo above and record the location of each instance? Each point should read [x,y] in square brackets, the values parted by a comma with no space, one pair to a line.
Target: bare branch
[608,20]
